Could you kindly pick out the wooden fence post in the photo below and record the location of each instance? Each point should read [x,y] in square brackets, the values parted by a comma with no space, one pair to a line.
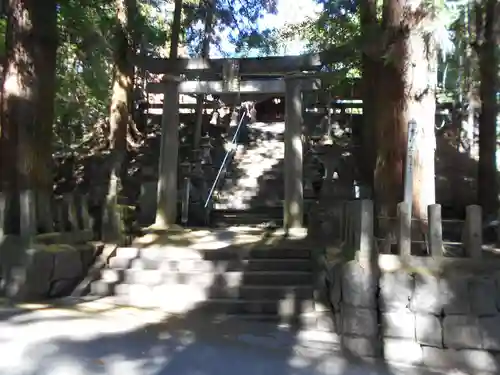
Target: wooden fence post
[69,203]
[498,227]
[59,216]
[404,229]
[84,213]
[356,224]
[27,215]
[473,236]
[44,217]
[338,219]
[435,230]
[347,223]
[3,208]
[366,245]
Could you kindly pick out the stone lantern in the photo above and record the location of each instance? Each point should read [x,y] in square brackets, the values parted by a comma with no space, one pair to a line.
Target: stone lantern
[185,169]
[206,150]
[215,118]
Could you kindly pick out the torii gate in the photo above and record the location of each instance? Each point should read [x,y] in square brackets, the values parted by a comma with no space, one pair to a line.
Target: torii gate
[286,75]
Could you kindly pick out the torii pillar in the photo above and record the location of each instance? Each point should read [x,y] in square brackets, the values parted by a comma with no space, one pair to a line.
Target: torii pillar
[293,215]
[166,211]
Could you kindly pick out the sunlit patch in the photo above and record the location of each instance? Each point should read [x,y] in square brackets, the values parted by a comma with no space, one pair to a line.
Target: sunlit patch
[252,164]
[33,306]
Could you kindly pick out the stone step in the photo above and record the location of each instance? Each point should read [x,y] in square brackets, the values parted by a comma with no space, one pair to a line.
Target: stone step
[235,220]
[167,265]
[316,321]
[264,196]
[279,251]
[256,209]
[245,157]
[283,308]
[223,218]
[265,292]
[282,250]
[204,301]
[270,216]
[259,203]
[106,287]
[248,207]
[303,313]
[226,201]
[207,279]
[101,288]
[259,186]
[256,195]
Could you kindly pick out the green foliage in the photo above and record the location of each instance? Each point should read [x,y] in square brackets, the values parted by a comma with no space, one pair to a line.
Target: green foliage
[85,64]
[235,25]
[3,29]
[336,25]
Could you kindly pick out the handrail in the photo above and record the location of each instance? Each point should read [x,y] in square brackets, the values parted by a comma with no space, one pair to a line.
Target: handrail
[223,166]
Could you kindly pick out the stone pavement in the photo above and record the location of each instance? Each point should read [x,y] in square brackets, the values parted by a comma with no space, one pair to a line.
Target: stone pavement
[97,337]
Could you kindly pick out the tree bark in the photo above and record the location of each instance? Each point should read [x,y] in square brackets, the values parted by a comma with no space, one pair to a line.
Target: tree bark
[370,71]
[176,30]
[45,23]
[468,87]
[488,67]
[205,53]
[122,88]
[410,67]
[27,103]
[390,121]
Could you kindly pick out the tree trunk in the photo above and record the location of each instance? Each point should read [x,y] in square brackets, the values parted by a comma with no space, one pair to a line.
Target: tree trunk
[370,71]
[45,23]
[390,121]
[176,30]
[25,120]
[468,89]
[164,217]
[205,53]
[119,115]
[410,66]
[420,84]
[488,67]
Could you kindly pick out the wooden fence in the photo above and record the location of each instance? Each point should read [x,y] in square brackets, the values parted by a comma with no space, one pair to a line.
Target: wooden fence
[69,215]
[356,231]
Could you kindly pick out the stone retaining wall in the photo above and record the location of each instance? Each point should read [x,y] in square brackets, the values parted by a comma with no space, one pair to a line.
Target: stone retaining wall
[42,271]
[418,318]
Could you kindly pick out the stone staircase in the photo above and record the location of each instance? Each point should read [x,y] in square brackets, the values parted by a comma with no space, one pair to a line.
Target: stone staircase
[252,191]
[245,275]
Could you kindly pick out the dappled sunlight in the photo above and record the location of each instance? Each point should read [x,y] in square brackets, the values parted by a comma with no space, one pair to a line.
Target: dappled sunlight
[180,243]
[252,163]
[170,345]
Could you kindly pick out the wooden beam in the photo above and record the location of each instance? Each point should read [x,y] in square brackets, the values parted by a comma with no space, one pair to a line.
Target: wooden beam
[276,86]
[269,66]
[276,65]
[227,99]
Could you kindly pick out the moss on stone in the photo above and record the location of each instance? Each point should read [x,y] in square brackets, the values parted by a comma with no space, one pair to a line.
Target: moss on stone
[54,248]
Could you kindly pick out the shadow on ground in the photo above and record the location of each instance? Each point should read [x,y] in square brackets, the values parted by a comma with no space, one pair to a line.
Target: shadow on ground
[67,337]
[99,337]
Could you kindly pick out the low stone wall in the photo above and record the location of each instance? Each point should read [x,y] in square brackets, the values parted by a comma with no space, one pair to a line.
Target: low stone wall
[46,269]
[447,319]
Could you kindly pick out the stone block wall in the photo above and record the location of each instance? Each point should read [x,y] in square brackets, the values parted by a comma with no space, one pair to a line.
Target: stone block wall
[42,271]
[449,321]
